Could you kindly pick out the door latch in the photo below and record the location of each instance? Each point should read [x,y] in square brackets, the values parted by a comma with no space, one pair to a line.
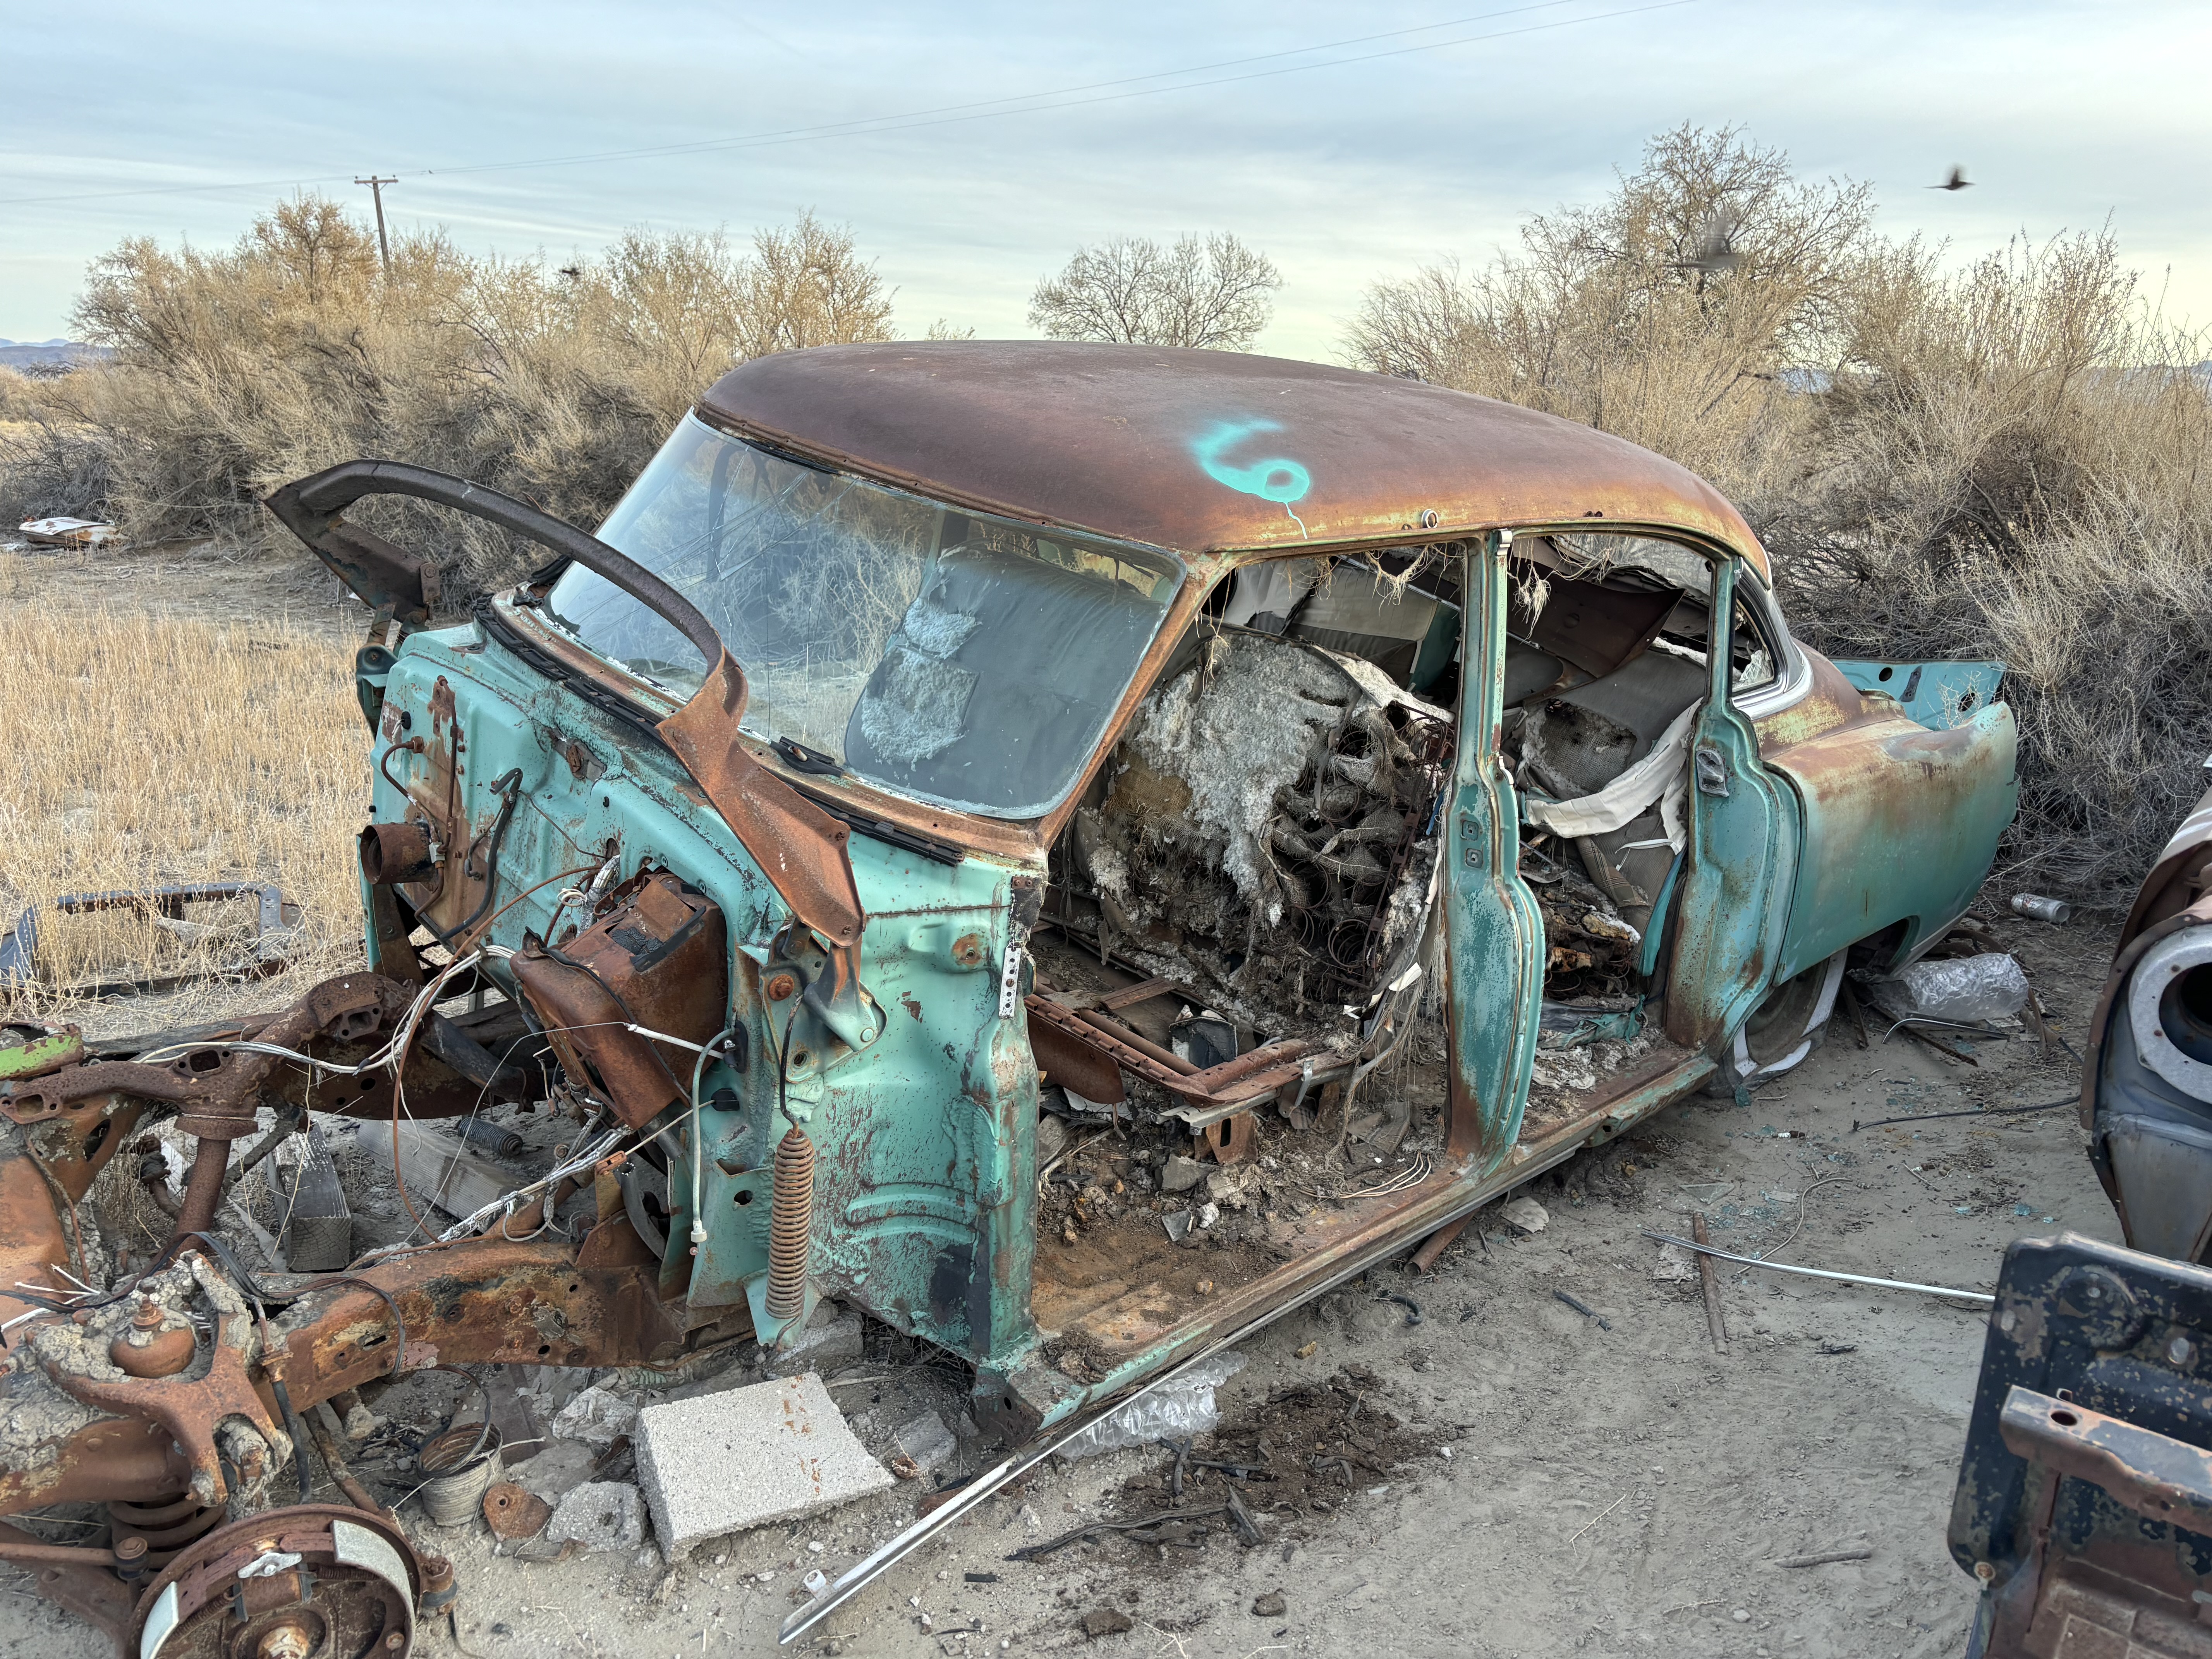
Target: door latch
[1711,771]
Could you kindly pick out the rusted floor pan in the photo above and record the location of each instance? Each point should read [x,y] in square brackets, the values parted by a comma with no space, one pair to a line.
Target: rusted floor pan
[1124,1290]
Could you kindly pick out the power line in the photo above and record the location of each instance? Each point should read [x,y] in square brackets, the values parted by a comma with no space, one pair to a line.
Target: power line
[951,114]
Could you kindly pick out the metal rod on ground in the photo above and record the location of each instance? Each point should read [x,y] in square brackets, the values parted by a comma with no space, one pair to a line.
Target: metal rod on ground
[1822,1273]
[1716,1320]
[1825,1557]
[1424,1259]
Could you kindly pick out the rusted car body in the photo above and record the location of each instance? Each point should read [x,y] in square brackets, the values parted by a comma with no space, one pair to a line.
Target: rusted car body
[933,732]
[2147,1079]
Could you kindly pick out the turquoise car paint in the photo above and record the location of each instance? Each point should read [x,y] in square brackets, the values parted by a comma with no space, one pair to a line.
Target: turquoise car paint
[922,1211]
[1899,825]
[1938,694]
[1493,928]
[1742,853]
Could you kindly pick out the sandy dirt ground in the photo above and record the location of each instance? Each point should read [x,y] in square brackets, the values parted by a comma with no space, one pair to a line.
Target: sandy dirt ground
[1616,1491]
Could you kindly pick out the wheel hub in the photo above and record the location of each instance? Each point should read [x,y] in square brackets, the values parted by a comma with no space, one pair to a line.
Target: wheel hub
[315,1580]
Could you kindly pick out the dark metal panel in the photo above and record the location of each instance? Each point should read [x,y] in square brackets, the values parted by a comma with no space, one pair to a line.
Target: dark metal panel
[2084,1502]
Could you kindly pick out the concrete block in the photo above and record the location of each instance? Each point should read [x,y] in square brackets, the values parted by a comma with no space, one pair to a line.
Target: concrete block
[600,1514]
[824,1348]
[747,1458]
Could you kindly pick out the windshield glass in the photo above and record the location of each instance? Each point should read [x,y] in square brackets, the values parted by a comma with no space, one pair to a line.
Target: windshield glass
[962,659]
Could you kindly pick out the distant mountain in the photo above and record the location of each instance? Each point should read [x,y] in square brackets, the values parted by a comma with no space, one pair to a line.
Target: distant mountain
[48,354]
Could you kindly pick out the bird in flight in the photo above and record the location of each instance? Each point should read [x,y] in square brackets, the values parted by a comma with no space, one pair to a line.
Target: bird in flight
[1958,180]
[1716,250]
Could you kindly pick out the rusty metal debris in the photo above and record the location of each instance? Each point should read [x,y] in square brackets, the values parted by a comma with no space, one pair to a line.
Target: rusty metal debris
[275,922]
[65,532]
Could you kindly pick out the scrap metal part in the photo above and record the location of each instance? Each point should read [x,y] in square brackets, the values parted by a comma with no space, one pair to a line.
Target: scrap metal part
[2084,1501]
[274,922]
[111,1397]
[288,1583]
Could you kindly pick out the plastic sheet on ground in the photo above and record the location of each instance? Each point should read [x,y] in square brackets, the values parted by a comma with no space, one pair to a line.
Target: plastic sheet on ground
[1180,1408]
[1966,990]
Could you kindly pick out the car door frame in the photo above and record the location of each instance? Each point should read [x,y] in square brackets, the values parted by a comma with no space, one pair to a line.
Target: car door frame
[1494,932]
[1739,854]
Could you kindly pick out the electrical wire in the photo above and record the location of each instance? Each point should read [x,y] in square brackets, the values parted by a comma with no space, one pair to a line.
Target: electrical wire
[698,1145]
[946,115]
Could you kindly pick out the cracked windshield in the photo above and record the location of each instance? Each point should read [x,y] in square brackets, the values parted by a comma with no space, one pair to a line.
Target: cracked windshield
[960,659]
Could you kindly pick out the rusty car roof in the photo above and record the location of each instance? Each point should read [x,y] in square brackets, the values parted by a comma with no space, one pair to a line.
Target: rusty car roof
[1202,451]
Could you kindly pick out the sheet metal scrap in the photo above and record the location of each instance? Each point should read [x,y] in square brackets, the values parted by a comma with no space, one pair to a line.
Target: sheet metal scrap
[274,924]
[69,532]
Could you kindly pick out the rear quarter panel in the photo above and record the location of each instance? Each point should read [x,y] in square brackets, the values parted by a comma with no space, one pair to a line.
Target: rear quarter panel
[1900,822]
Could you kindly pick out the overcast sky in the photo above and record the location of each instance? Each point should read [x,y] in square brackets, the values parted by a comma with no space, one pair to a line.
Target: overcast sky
[1344,172]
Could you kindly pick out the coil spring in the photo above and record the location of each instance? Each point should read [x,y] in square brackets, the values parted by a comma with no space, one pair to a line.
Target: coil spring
[167,1526]
[791,1225]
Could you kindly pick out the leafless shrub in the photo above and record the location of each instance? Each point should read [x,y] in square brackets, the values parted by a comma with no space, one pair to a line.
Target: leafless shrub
[237,370]
[2007,462]
[50,463]
[1214,294]
[2010,465]
[1667,313]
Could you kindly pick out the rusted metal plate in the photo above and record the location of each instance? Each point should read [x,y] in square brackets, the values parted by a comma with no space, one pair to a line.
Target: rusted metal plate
[1066,1058]
[2084,1501]
[656,959]
[2160,1478]
[1248,1077]
[511,1512]
[1203,450]
[800,848]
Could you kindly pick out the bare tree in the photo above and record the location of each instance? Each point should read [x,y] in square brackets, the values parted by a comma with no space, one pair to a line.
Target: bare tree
[1215,293]
[808,286]
[1664,313]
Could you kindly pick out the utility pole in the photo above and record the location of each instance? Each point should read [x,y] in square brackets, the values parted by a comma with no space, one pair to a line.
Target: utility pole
[383,243]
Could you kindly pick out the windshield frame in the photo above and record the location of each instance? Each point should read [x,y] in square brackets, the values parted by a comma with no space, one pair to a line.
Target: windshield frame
[1115,566]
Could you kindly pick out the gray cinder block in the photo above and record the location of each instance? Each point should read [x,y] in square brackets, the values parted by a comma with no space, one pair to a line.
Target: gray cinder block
[747,1457]
[824,1348]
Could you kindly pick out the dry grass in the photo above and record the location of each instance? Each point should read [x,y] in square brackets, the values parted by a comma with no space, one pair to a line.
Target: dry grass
[143,749]
[2007,462]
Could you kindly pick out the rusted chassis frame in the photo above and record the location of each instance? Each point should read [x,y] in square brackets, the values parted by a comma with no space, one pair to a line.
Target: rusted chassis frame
[481,1301]
[63,1128]
[490,1299]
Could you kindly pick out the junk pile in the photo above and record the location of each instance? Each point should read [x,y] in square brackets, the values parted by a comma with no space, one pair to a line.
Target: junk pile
[1281,802]
[556,1462]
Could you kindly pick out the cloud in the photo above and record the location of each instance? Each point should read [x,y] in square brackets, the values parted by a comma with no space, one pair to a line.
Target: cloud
[2063,114]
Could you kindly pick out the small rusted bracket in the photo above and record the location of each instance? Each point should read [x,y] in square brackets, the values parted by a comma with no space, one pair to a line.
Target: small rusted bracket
[2160,1478]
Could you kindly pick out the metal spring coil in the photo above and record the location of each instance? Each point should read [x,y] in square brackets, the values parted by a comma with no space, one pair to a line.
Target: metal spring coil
[791,1225]
[167,1525]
